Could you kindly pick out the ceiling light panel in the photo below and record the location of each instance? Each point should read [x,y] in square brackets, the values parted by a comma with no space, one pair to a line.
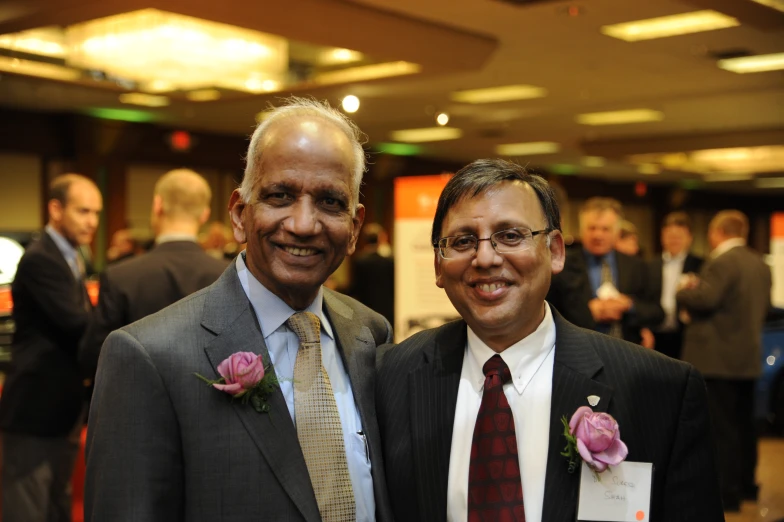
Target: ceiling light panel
[499,94]
[426,134]
[619,117]
[666,26]
[778,5]
[753,64]
[38,69]
[528,149]
[146,100]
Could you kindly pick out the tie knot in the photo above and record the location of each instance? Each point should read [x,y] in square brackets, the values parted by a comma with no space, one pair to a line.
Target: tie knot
[496,371]
[306,325]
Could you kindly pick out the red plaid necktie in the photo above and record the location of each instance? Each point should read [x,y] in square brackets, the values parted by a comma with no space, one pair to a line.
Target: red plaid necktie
[495,489]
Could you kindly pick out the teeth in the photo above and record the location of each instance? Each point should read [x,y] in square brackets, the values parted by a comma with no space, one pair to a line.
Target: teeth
[491,287]
[300,251]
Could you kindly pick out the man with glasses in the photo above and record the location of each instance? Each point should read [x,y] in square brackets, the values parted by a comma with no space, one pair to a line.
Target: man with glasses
[470,412]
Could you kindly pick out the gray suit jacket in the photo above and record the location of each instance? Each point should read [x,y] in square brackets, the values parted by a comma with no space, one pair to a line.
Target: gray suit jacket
[163,446]
[727,311]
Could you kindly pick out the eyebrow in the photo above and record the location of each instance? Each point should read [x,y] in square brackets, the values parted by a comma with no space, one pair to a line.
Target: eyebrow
[501,225]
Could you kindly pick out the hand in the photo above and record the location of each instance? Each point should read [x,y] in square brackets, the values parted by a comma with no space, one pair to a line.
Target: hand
[615,307]
[688,281]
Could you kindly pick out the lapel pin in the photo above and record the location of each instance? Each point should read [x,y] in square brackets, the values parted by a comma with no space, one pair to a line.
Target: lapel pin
[593,400]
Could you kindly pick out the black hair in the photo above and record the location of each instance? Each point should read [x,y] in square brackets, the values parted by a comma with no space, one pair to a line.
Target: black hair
[478,176]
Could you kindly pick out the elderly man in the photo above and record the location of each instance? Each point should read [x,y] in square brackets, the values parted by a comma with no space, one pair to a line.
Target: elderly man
[142,285]
[42,405]
[624,301]
[727,306]
[470,412]
[296,441]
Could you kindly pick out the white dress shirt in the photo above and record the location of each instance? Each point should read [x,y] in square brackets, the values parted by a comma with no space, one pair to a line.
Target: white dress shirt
[672,268]
[529,392]
[726,246]
[283,344]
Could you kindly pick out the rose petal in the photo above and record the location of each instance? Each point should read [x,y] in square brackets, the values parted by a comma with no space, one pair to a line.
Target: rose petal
[577,417]
[597,439]
[613,455]
[584,453]
[598,466]
[232,389]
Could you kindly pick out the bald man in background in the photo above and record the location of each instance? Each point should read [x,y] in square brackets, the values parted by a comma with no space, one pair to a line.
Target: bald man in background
[176,267]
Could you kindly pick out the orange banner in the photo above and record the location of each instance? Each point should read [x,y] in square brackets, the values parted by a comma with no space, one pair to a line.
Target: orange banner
[416,197]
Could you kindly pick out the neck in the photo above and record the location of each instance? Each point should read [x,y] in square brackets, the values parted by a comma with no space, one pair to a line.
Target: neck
[180,227]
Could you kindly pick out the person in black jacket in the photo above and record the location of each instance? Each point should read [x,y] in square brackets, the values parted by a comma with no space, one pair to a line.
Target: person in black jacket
[42,405]
[176,267]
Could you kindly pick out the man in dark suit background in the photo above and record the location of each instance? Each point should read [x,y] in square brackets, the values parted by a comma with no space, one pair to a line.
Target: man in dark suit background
[666,272]
[624,301]
[164,447]
[373,272]
[727,305]
[497,240]
[42,405]
[176,267]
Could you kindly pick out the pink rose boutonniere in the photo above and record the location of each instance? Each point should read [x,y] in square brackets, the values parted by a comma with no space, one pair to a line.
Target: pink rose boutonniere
[594,438]
[244,377]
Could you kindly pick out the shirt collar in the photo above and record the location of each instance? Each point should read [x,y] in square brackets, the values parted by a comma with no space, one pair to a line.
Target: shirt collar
[597,260]
[726,245]
[168,238]
[523,358]
[275,311]
[66,248]
[667,257]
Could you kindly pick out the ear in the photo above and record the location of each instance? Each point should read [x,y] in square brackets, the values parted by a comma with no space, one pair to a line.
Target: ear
[157,206]
[356,226]
[55,209]
[437,266]
[205,215]
[557,252]
[237,209]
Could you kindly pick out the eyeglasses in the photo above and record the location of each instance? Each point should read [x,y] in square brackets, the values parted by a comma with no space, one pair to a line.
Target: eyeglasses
[503,241]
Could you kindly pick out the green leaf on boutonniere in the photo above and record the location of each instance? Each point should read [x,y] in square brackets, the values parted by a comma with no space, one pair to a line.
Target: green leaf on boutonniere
[570,451]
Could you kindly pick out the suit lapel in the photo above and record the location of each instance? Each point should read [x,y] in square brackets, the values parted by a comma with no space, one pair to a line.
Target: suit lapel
[229,315]
[433,398]
[575,377]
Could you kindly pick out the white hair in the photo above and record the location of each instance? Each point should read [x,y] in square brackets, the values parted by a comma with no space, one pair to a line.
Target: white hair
[296,107]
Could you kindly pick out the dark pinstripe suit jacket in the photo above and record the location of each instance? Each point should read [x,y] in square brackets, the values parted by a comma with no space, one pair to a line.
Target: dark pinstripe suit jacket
[660,405]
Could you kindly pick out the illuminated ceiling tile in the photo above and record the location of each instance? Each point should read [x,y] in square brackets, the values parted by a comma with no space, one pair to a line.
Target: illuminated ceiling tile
[426,134]
[38,69]
[528,149]
[753,64]
[666,26]
[619,117]
[499,94]
[147,100]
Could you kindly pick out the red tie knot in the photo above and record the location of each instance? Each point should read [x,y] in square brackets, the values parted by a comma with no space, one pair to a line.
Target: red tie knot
[496,372]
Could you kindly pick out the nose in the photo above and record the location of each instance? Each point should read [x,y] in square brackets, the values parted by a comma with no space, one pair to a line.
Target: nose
[303,220]
[486,256]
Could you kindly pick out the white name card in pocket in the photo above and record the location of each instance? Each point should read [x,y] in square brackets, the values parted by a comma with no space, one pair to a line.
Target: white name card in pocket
[622,493]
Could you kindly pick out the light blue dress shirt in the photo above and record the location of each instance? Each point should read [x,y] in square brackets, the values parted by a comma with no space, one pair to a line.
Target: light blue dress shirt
[282,344]
[594,264]
[66,249]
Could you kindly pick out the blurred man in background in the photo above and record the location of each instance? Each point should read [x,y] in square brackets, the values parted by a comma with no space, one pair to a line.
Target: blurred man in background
[623,300]
[42,405]
[628,239]
[727,306]
[176,267]
[373,272]
[666,273]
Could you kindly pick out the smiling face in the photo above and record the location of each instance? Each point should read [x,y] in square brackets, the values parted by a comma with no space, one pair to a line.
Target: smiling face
[500,296]
[302,221]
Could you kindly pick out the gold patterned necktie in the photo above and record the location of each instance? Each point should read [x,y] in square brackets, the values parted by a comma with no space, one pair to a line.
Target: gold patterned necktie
[319,430]
[607,277]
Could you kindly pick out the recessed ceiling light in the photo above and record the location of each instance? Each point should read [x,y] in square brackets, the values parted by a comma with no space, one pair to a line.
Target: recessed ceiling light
[426,134]
[619,117]
[147,100]
[674,25]
[775,4]
[350,103]
[499,94]
[753,64]
[527,149]
[442,118]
